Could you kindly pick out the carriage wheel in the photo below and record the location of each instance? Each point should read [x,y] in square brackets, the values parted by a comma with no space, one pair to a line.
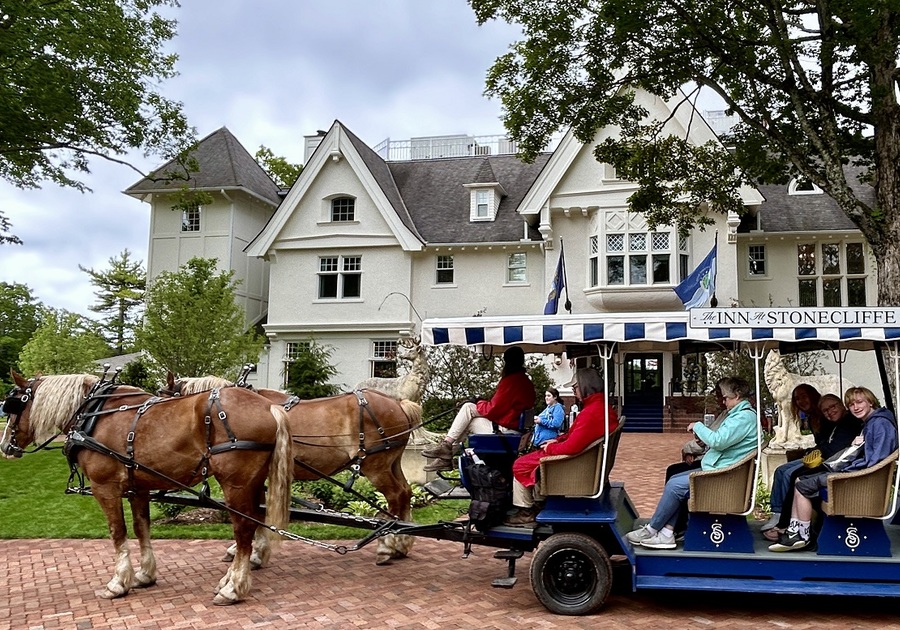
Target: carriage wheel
[571,574]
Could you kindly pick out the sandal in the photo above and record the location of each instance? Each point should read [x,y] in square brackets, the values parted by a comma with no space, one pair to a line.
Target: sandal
[773,534]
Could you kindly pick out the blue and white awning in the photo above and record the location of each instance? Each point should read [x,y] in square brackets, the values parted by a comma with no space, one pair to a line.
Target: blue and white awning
[851,327]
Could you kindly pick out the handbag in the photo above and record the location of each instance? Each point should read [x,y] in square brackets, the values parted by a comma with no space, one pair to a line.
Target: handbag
[525,442]
[842,459]
[813,459]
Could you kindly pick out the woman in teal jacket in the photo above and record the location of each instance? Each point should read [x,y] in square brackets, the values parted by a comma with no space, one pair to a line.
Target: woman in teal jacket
[733,440]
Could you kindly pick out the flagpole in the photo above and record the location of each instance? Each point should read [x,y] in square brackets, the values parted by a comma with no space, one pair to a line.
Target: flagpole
[562,254]
[713,302]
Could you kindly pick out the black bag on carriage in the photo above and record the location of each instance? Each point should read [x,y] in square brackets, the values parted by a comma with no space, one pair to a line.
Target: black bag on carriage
[491,495]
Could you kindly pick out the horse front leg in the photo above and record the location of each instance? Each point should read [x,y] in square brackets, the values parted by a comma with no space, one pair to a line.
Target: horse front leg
[111,503]
[140,518]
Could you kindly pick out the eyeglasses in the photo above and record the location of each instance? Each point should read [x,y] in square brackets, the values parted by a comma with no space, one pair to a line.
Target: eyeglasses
[827,408]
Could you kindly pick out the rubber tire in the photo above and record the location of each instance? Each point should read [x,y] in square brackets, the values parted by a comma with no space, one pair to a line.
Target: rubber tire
[571,574]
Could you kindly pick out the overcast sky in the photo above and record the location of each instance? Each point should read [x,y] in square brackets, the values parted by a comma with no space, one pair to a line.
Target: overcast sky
[271,71]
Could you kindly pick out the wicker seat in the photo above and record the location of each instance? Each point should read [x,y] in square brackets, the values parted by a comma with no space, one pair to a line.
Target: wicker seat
[578,475]
[863,493]
[727,490]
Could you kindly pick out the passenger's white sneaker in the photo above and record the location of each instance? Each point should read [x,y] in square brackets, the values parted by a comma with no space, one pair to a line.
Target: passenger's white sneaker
[660,540]
[639,535]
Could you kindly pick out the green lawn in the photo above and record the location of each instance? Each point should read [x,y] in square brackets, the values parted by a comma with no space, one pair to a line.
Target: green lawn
[33,504]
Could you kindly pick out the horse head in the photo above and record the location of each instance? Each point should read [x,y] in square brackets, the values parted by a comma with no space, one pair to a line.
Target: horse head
[38,420]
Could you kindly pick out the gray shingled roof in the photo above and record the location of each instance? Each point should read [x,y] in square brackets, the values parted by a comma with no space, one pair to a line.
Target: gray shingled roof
[379,169]
[224,163]
[438,202]
[782,212]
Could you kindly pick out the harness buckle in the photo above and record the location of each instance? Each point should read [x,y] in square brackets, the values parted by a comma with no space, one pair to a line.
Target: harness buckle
[123,407]
[130,437]
[222,416]
[207,420]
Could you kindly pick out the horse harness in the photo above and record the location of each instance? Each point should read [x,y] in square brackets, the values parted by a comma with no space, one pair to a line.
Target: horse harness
[84,421]
[355,463]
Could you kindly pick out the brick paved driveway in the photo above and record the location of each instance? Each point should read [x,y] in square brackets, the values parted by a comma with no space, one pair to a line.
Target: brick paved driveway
[44,585]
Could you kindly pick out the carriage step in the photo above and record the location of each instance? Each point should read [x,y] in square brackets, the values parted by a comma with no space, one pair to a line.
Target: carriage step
[510,555]
[443,489]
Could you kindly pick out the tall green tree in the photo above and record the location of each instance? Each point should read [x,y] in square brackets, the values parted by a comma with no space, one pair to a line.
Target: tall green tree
[281,171]
[309,371]
[64,343]
[120,295]
[814,84]
[192,324]
[19,319]
[81,80]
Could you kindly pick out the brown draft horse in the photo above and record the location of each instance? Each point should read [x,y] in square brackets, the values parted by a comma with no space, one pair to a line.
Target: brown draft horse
[326,440]
[233,435]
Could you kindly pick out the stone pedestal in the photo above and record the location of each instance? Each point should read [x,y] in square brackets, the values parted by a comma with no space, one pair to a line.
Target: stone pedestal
[772,458]
[413,463]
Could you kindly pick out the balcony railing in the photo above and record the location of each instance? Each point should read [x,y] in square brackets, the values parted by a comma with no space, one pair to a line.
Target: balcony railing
[433,147]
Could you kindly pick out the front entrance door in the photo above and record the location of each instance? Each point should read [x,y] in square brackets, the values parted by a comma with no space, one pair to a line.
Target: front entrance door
[643,385]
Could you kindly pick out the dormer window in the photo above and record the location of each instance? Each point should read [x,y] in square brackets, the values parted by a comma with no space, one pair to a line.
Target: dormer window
[484,200]
[803,186]
[481,204]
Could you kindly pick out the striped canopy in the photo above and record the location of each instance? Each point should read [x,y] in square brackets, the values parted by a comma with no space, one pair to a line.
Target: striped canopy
[550,333]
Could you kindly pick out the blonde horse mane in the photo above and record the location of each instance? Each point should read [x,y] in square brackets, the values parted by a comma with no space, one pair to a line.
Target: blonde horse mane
[59,397]
[197,384]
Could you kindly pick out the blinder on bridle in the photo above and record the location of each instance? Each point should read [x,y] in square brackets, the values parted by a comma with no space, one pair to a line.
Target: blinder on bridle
[13,406]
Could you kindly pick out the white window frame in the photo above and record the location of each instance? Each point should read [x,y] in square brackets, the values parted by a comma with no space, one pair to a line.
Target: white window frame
[343,269]
[384,351]
[444,263]
[600,257]
[513,267]
[191,218]
[291,351]
[483,198]
[818,278]
[753,260]
[335,214]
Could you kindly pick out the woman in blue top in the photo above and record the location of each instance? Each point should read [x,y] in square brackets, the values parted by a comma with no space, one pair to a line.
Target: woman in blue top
[548,423]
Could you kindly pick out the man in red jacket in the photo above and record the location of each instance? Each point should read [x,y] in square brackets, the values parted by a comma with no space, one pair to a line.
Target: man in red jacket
[514,394]
[590,425]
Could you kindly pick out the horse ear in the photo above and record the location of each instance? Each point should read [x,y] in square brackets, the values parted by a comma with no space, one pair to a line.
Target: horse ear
[170,380]
[17,378]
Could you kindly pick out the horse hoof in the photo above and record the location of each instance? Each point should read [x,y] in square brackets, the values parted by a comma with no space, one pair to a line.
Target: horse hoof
[144,584]
[221,600]
[227,557]
[382,559]
[105,593]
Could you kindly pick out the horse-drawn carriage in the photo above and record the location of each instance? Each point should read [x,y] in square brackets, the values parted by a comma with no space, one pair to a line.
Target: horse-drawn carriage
[587,511]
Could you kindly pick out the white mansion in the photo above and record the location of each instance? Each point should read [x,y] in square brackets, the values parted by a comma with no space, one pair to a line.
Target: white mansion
[368,240]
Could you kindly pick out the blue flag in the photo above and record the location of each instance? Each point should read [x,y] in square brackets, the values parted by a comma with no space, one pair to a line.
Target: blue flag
[559,283]
[700,285]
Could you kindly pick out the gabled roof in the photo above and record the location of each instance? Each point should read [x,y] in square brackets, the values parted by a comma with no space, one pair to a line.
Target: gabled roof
[379,170]
[809,212]
[438,201]
[223,162]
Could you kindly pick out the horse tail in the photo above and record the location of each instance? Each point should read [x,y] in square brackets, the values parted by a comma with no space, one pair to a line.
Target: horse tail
[413,412]
[281,468]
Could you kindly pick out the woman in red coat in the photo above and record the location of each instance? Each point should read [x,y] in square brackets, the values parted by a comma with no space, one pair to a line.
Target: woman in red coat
[589,426]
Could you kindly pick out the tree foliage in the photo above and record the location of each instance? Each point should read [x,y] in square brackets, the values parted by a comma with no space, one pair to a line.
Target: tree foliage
[458,373]
[80,79]
[120,296]
[64,343]
[192,324]
[813,83]
[281,171]
[309,371]
[19,319]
